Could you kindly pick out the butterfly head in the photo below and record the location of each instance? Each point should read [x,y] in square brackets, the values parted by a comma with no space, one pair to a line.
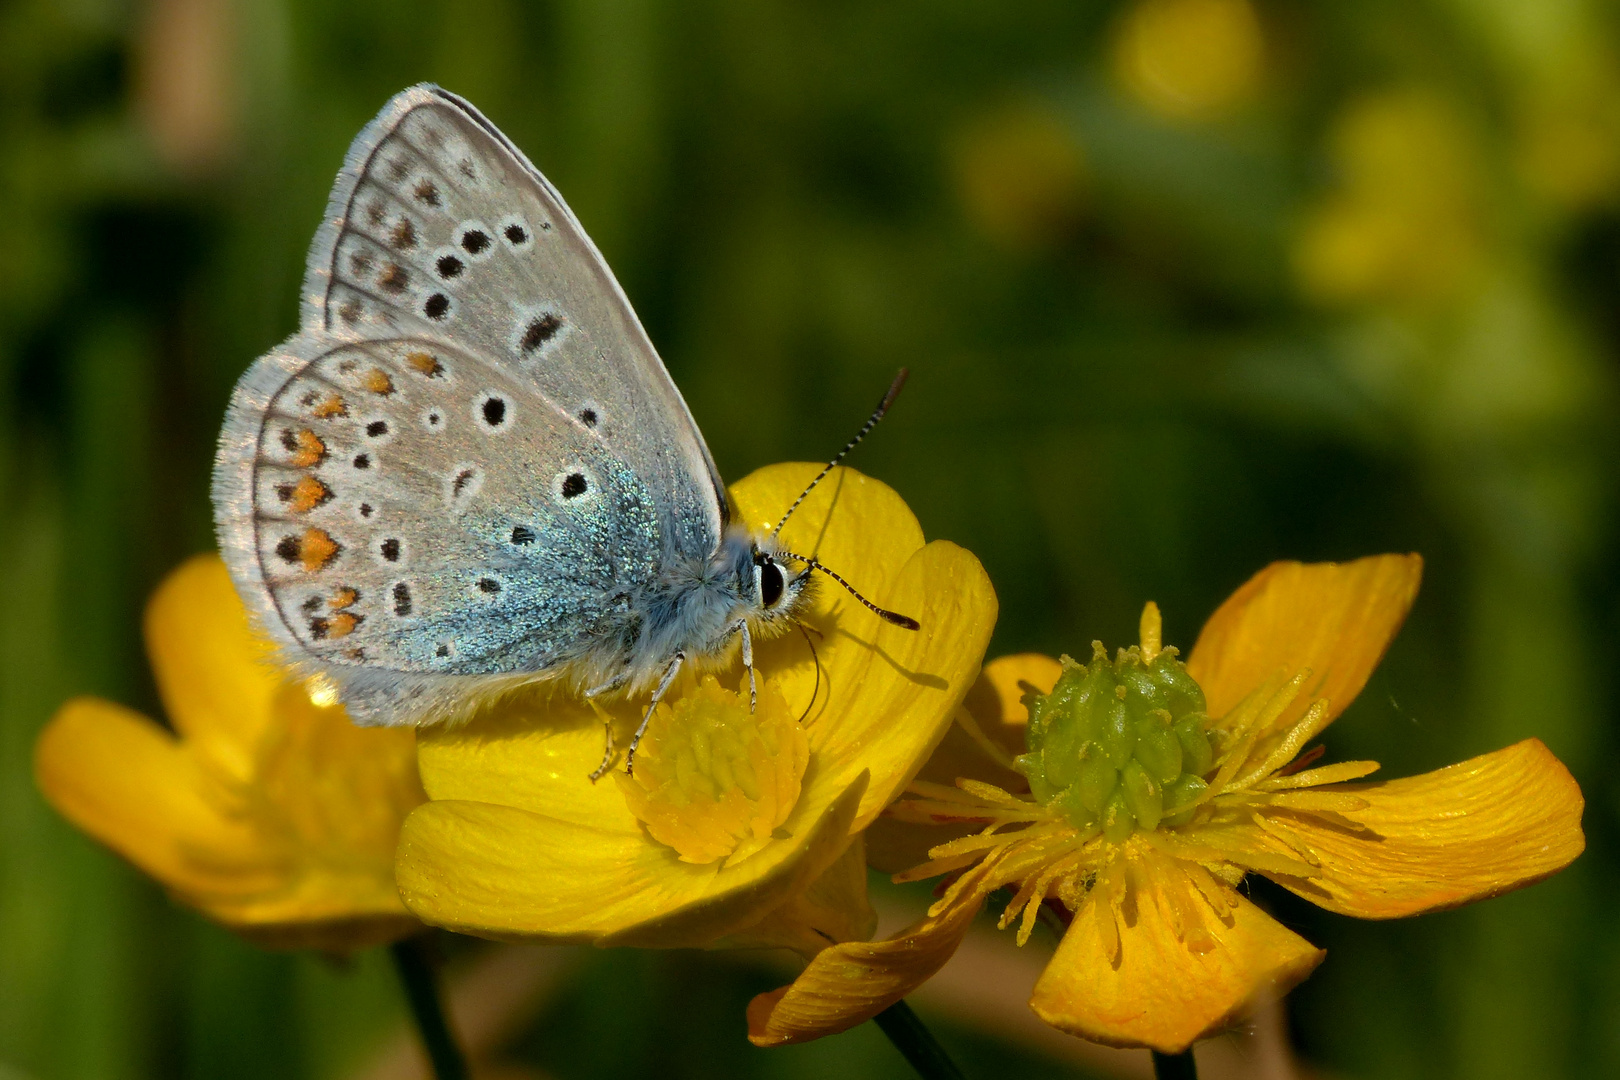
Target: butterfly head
[779,592]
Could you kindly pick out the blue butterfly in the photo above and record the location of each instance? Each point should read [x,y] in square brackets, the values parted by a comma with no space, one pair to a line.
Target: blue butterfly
[469,469]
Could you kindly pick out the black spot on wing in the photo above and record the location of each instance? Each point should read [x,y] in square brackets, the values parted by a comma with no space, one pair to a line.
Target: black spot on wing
[539,331]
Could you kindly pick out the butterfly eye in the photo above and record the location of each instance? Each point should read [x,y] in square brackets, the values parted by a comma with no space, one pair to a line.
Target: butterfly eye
[770,582]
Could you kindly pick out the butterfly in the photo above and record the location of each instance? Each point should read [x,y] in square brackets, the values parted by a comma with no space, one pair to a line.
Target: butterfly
[469,470]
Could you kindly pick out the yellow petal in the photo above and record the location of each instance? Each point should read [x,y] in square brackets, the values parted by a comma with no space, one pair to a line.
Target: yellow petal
[886,695]
[301,857]
[1334,618]
[995,707]
[215,674]
[1153,990]
[1466,832]
[834,908]
[334,795]
[850,983]
[998,697]
[996,701]
[337,788]
[534,752]
[891,700]
[503,872]
[124,780]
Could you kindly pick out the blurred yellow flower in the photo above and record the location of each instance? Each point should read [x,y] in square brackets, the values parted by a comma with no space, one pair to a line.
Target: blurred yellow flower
[1190,59]
[1145,814]
[1569,135]
[1406,220]
[733,831]
[1020,175]
[269,813]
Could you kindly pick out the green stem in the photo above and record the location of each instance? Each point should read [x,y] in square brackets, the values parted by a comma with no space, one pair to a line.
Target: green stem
[916,1043]
[1175,1066]
[422,991]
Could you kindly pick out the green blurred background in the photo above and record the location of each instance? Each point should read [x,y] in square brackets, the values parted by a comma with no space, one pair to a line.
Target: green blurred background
[1185,286]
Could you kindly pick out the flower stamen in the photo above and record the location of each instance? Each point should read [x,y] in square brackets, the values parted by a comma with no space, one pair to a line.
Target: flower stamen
[714,780]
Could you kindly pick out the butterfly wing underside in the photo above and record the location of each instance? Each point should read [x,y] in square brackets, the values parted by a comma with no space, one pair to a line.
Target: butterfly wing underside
[470,456]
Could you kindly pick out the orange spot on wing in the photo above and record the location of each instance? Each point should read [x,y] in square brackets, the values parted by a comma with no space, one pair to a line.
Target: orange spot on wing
[316,548]
[344,597]
[342,625]
[377,381]
[310,450]
[425,363]
[332,406]
[307,494]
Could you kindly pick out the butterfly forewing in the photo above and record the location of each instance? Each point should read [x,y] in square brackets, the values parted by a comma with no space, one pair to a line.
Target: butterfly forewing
[438,224]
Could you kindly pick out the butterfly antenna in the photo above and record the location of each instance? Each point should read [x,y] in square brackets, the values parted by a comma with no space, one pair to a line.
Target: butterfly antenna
[905,622]
[871,422]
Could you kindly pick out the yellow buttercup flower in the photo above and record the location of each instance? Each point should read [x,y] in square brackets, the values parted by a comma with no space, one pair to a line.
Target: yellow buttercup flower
[266,811]
[737,827]
[1154,788]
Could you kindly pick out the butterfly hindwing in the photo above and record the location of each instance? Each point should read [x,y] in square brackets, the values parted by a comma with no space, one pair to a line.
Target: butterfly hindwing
[416,509]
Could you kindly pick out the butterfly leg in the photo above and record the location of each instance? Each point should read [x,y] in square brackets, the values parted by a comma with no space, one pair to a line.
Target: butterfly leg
[609,686]
[675,663]
[748,661]
[590,697]
[607,726]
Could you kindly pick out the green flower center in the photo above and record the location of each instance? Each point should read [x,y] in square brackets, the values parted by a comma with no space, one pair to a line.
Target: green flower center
[1122,745]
